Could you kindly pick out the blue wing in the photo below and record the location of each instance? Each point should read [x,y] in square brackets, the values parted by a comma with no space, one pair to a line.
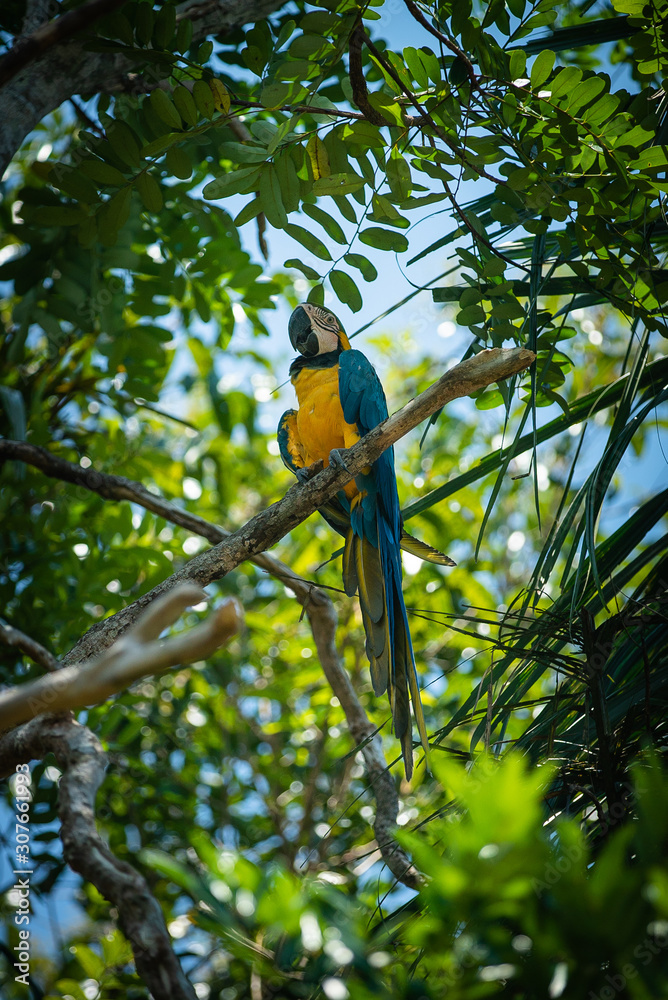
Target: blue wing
[364,404]
[372,557]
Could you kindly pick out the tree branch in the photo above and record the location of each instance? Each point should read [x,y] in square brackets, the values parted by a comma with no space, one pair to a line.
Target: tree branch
[14,637]
[320,612]
[137,654]
[69,68]
[112,487]
[30,47]
[322,616]
[82,760]
[357,81]
[269,526]
[444,40]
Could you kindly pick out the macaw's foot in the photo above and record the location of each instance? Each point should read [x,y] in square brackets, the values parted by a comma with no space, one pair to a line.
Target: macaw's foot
[337,460]
[309,471]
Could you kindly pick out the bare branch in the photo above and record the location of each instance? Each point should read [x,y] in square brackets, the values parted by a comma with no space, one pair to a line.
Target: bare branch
[357,81]
[14,637]
[82,761]
[137,654]
[322,616]
[267,527]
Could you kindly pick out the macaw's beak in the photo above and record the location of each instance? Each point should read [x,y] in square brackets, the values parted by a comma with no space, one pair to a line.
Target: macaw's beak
[302,336]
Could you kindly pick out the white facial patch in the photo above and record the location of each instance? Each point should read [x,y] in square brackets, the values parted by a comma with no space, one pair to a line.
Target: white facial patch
[327,339]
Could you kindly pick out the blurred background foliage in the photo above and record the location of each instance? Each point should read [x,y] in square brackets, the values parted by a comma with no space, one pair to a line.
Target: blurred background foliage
[144,334]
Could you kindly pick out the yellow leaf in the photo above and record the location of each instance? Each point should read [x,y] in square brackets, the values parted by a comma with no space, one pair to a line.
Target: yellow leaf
[221,97]
[319,157]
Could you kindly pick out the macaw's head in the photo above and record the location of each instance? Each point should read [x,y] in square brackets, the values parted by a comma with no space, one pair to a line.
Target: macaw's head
[314,330]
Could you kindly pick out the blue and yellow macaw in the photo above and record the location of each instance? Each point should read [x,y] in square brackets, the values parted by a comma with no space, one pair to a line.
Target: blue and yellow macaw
[340,400]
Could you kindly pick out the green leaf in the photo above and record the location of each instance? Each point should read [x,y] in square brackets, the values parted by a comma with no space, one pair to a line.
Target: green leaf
[430,62]
[205,52]
[273,95]
[124,143]
[178,163]
[288,180]
[384,239]
[270,193]
[416,67]
[316,295]
[113,215]
[165,26]
[471,316]
[144,20]
[149,191]
[250,211]
[654,158]
[338,184]
[164,109]
[14,407]
[307,271]
[542,67]
[185,105]
[330,225]
[91,963]
[102,173]
[369,272]
[345,208]
[346,290]
[398,175]
[518,63]
[233,182]
[308,240]
[286,32]
[243,152]
[204,99]
[489,400]
[184,35]
[158,146]
[74,183]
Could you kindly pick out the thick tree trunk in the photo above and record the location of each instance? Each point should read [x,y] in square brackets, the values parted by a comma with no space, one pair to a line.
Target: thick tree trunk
[68,69]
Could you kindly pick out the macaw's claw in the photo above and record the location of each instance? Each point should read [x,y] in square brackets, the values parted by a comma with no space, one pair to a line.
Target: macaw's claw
[337,460]
[308,471]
